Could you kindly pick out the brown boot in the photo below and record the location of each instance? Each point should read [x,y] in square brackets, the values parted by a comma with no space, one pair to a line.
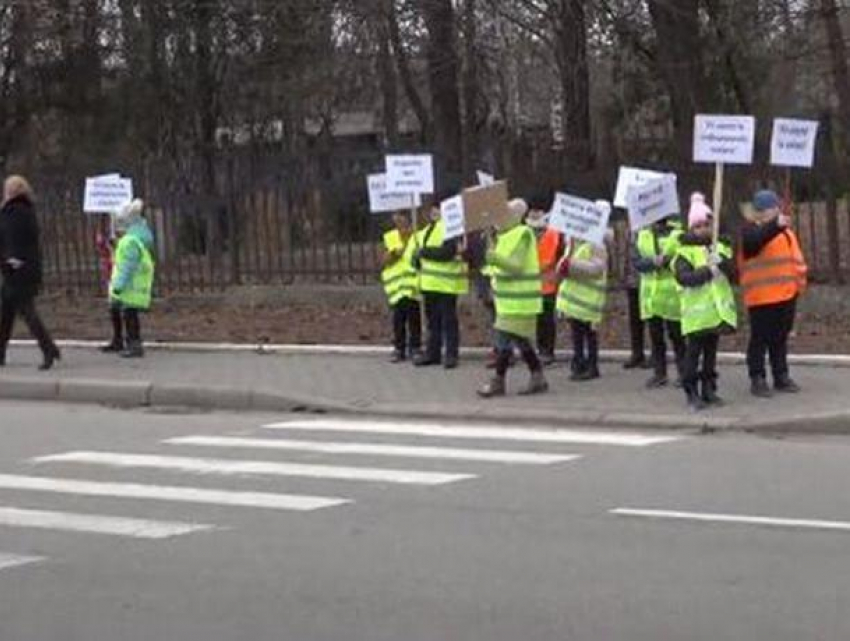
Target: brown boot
[536,385]
[495,387]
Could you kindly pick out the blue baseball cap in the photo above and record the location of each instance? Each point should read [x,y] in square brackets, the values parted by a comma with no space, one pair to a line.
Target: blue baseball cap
[766,199]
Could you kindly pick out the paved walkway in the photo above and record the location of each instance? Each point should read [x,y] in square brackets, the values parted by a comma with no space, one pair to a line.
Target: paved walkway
[367,383]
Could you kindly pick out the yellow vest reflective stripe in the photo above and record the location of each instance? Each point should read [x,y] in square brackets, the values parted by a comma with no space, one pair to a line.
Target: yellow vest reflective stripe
[450,277]
[399,279]
[138,293]
[517,294]
[659,294]
[712,305]
[583,298]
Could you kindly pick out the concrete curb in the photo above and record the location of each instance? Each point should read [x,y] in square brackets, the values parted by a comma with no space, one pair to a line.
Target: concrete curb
[139,394]
[610,356]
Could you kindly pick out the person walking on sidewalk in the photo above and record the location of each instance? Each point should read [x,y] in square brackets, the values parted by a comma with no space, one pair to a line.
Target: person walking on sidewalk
[550,250]
[443,278]
[773,275]
[20,265]
[517,290]
[660,307]
[131,287]
[401,286]
[704,274]
[581,299]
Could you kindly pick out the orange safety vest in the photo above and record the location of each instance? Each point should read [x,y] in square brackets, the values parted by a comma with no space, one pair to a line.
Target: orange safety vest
[776,275]
[547,250]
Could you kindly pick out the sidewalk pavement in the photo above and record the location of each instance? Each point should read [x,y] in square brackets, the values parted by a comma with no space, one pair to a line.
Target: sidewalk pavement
[363,382]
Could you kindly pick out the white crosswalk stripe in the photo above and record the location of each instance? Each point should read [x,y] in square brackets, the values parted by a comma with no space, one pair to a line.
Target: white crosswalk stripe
[13,560]
[376,449]
[97,524]
[227,467]
[433,430]
[169,494]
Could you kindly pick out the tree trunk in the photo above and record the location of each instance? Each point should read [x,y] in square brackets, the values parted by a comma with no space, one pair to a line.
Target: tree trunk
[445,96]
[471,89]
[404,72]
[388,81]
[840,75]
[571,56]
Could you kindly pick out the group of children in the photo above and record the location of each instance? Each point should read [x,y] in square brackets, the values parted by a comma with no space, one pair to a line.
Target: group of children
[526,273]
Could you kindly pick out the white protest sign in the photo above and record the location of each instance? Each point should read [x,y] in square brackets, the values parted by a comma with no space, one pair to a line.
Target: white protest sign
[485,179]
[628,177]
[653,201]
[579,218]
[381,200]
[410,174]
[454,216]
[107,194]
[794,142]
[728,140]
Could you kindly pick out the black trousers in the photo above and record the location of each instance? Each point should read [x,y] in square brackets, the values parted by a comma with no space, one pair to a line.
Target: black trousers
[770,326]
[636,325]
[126,322]
[10,308]
[700,350]
[407,326]
[657,328]
[547,326]
[443,325]
[585,346]
[505,344]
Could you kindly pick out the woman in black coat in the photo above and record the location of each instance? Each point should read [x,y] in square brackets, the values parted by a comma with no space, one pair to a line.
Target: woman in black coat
[20,265]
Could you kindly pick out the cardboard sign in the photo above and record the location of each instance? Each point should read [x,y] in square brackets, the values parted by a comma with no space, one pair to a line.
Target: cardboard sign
[653,201]
[486,207]
[485,179]
[410,174]
[728,140]
[579,218]
[107,194]
[628,177]
[794,142]
[381,200]
[454,218]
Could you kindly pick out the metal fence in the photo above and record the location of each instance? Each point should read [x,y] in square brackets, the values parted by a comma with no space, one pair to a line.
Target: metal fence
[274,222]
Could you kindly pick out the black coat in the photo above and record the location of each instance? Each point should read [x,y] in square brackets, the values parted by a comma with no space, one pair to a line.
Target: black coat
[20,239]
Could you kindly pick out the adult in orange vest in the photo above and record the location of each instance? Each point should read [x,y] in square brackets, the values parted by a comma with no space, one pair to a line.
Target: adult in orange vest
[550,250]
[772,277]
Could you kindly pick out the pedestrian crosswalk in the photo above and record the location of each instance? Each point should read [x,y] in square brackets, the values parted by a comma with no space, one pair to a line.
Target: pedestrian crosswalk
[350,452]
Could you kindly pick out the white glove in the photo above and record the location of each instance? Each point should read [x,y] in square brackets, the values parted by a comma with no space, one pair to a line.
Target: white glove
[714,260]
[715,271]
[15,263]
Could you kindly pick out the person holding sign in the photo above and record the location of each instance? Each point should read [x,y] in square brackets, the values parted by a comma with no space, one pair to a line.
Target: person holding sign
[582,296]
[20,265]
[443,277]
[401,285]
[773,275]
[704,275]
[515,269]
[131,287]
[660,307]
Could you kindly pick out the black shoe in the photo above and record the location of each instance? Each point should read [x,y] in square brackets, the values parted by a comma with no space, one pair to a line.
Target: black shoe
[760,389]
[657,381]
[397,357]
[424,360]
[450,363]
[695,403]
[547,358]
[112,348]
[133,350]
[786,385]
[50,359]
[635,362]
[589,374]
[709,395]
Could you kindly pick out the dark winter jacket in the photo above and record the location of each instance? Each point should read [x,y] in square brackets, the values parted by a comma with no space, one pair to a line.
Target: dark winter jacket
[688,276]
[755,237]
[20,239]
[447,252]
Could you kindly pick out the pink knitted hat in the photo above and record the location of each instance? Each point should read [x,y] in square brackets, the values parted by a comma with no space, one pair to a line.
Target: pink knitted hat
[700,212]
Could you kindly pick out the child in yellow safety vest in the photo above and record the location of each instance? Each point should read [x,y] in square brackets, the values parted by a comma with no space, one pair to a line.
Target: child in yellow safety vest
[517,290]
[704,274]
[401,284]
[581,299]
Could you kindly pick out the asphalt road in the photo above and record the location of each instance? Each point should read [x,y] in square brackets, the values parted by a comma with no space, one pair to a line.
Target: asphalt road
[108,533]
